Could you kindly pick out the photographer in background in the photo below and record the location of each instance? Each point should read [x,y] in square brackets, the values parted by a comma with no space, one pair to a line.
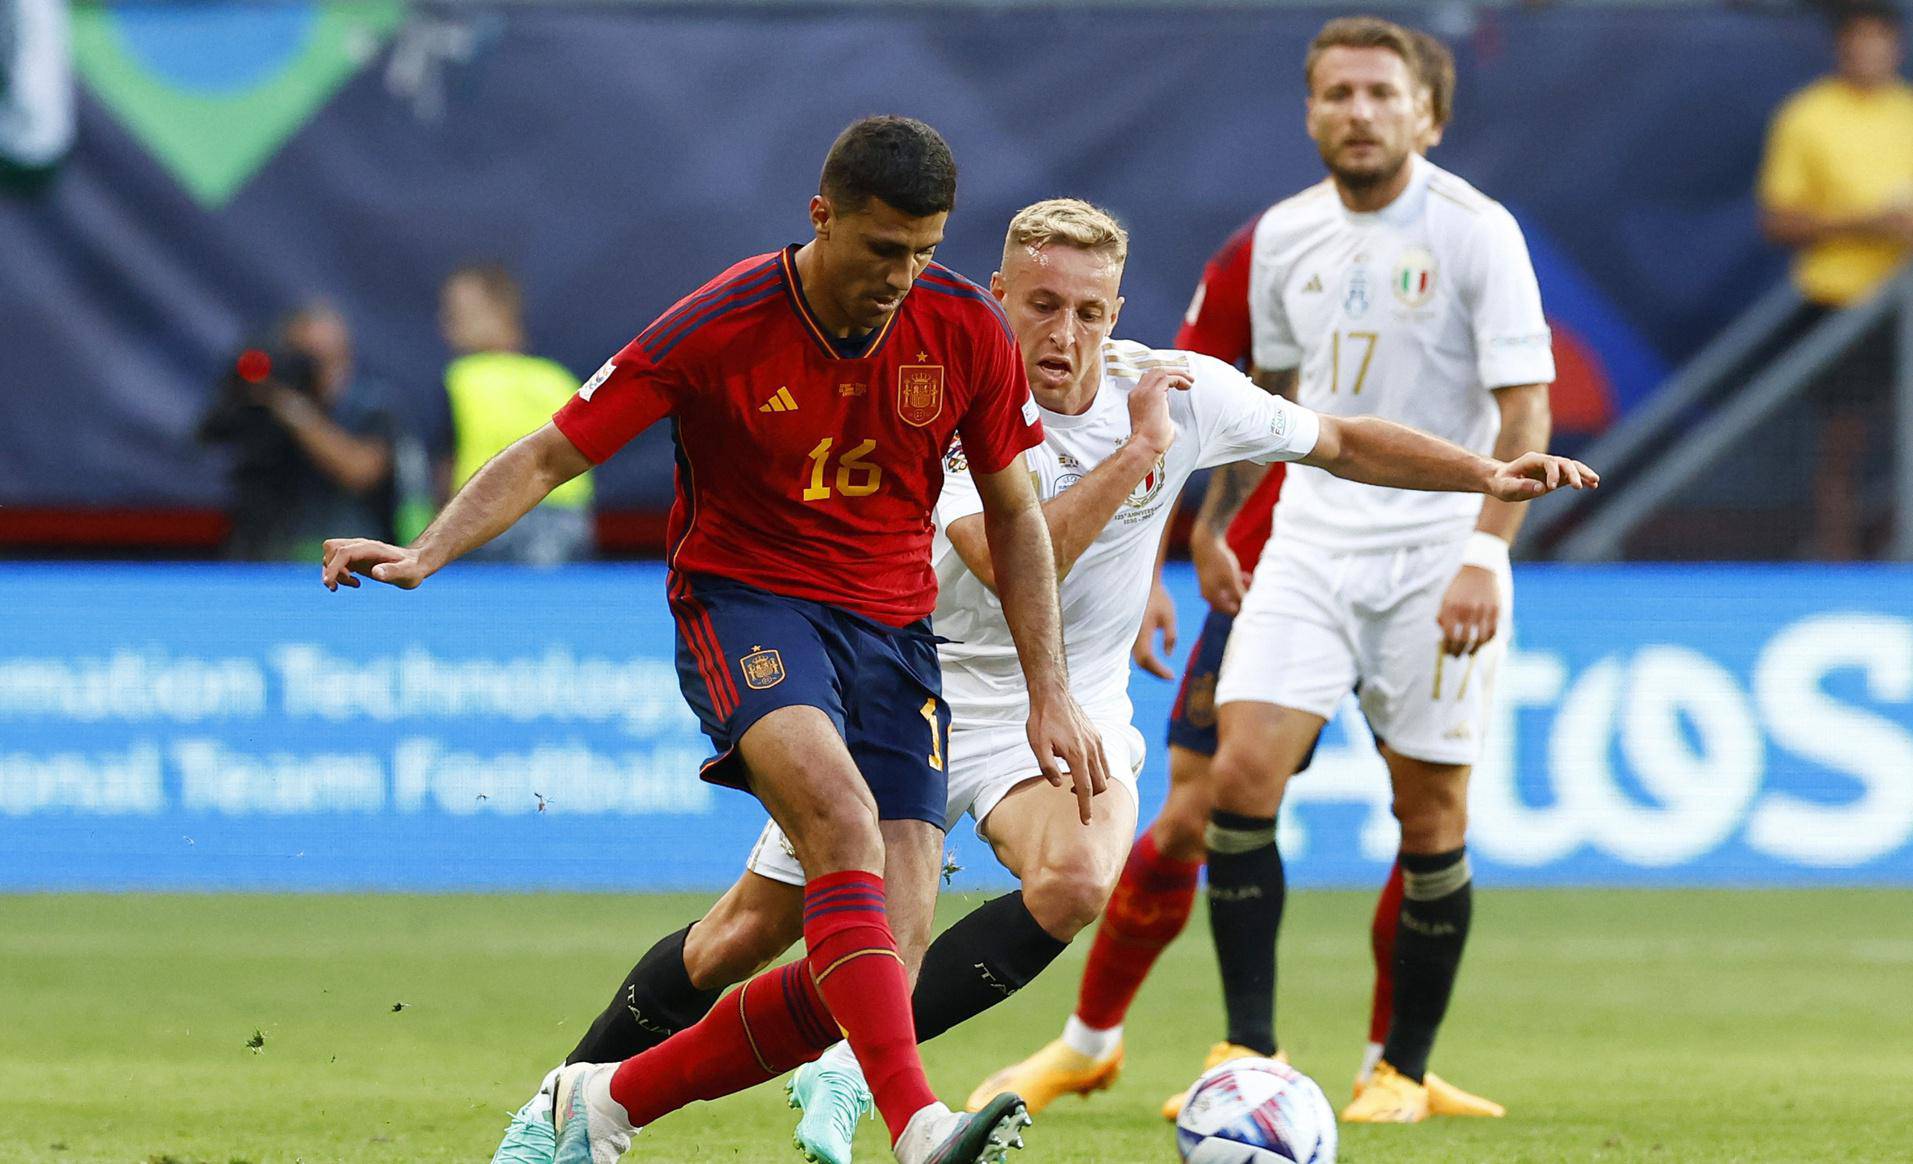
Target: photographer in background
[312,449]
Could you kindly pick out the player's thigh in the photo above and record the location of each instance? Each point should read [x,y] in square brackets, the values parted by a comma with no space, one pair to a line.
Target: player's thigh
[1290,646]
[1035,827]
[1426,704]
[802,771]
[1262,745]
[756,920]
[761,673]
[896,723]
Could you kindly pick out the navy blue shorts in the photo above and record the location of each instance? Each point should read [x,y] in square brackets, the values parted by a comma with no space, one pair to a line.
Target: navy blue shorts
[742,653]
[1192,720]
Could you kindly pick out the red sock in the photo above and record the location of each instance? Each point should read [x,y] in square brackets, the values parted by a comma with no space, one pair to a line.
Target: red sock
[1381,942]
[855,962]
[772,1023]
[1146,912]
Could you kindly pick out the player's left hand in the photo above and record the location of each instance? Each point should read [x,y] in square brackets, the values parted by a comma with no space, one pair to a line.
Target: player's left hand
[1150,423]
[1059,730]
[348,558]
[1470,611]
[1533,475]
[1158,616]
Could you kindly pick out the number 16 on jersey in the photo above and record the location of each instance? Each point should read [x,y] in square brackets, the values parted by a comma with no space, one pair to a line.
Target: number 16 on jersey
[856,477]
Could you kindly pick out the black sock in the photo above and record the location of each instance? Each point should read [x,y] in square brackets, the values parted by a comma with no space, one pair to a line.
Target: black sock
[656,1001]
[993,952]
[1437,899]
[1246,892]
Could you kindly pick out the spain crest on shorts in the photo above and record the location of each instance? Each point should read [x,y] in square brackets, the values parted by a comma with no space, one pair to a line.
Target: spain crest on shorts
[920,393]
[762,669]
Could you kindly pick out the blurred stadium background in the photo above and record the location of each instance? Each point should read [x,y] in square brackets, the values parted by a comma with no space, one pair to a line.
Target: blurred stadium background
[1694,701]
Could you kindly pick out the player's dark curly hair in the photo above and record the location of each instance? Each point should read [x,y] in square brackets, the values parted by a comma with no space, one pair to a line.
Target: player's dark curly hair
[898,160]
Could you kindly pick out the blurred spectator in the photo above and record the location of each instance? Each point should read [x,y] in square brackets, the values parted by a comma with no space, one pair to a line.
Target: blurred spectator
[1837,188]
[497,394]
[312,448]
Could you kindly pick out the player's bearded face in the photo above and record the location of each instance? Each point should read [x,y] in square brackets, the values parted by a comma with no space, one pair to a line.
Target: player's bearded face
[1062,302]
[868,260]
[1365,113]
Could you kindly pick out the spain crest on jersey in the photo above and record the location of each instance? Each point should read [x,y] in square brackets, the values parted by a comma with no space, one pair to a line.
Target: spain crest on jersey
[762,669]
[920,393]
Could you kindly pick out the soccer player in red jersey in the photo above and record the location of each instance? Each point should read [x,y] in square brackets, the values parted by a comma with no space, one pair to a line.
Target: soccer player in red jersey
[1153,899]
[813,394]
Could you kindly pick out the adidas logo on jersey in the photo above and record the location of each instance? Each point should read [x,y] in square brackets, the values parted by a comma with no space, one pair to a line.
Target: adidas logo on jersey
[1314,284]
[780,401]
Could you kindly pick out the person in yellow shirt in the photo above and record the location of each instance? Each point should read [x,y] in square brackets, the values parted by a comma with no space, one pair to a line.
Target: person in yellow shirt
[497,394]
[1837,188]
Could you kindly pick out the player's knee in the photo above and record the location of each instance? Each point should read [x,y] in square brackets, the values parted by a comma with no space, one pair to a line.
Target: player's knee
[1245,783]
[1067,896]
[1433,819]
[832,836]
[725,948]
[1179,831]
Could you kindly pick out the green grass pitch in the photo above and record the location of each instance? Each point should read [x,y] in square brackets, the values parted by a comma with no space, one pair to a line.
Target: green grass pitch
[1651,1026]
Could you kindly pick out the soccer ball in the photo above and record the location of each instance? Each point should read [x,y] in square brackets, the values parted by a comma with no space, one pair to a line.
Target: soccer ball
[1256,1111]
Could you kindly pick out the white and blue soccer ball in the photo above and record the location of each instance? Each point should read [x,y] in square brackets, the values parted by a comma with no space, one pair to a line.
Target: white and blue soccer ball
[1256,1111]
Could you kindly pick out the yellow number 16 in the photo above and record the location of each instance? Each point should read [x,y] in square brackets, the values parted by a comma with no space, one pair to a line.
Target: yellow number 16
[856,477]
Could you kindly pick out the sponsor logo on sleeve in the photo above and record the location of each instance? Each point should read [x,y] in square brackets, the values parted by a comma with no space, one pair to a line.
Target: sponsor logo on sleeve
[597,379]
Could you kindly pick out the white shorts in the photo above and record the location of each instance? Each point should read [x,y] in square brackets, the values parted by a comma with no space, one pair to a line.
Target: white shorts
[987,761]
[1316,624]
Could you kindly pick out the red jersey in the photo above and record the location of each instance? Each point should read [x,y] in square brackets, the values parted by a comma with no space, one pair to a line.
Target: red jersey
[1217,324]
[802,469]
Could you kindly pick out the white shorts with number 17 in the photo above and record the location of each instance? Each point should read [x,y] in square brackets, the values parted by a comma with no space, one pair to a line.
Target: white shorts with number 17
[1317,624]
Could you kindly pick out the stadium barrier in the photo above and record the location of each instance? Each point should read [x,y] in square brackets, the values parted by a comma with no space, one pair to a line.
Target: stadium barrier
[222,728]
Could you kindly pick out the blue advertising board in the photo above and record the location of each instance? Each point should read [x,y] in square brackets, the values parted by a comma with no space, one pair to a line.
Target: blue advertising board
[192,727]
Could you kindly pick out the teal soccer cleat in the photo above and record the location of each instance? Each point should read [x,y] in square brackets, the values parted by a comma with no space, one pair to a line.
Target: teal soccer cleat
[591,1127]
[833,1097]
[530,1138]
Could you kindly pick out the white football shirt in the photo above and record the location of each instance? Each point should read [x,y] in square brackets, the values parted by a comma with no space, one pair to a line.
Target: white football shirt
[1414,313]
[1224,417]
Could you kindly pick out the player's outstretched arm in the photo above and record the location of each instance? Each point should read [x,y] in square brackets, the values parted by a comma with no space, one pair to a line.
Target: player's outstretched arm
[506,489]
[1381,452]
[1025,570]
